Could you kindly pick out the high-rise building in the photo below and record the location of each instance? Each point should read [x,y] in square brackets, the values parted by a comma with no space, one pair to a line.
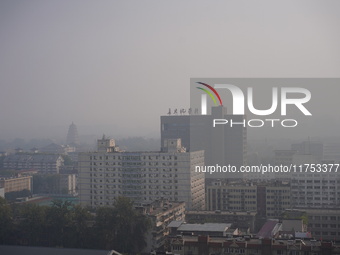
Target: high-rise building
[142,176]
[72,135]
[223,144]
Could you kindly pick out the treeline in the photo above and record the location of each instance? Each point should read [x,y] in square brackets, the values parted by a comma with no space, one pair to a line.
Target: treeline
[121,227]
[12,196]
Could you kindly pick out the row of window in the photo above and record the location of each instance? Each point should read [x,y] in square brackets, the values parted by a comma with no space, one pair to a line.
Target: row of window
[132,158]
[318,225]
[114,163]
[325,217]
[120,169]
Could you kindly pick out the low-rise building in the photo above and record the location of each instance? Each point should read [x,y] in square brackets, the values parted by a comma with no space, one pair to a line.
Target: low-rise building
[19,183]
[161,213]
[199,245]
[316,189]
[273,198]
[212,229]
[324,224]
[244,221]
[267,198]
[43,163]
[231,196]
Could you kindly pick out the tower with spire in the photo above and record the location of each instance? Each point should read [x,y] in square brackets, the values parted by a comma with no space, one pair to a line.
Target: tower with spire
[72,135]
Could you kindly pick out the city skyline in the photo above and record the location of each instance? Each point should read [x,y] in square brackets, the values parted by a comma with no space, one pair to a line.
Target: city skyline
[115,67]
[215,124]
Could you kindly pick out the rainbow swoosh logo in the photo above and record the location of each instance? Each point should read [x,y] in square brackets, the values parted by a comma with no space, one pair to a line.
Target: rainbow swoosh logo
[209,92]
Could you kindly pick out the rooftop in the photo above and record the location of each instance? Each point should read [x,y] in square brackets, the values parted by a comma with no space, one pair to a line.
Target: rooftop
[206,227]
[221,213]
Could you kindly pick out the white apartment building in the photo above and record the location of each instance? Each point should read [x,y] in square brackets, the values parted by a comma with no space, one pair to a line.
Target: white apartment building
[141,176]
[315,190]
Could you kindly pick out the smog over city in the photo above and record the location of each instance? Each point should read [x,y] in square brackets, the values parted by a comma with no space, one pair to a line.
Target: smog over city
[209,119]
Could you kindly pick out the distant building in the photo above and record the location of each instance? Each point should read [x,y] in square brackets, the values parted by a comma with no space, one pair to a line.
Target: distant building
[324,224]
[68,184]
[199,245]
[11,184]
[244,221]
[43,163]
[331,152]
[161,213]
[231,196]
[222,144]
[293,224]
[267,198]
[310,148]
[284,157]
[2,192]
[213,229]
[142,176]
[72,135]
[54,148]
[315,190]
[273,198]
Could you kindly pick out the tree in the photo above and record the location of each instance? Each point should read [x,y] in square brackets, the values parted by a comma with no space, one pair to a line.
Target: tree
[121,228]
[81,227]
[59,219]
[105,227]
[33,223]
[6,222]
[125,223]
[12,196]
[130,227]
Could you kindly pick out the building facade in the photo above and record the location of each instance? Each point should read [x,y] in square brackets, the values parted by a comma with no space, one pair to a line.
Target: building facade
[19,183]
[222,145]
[267,198]
[141,176]
[43,163]
[324,224]
[200,245]
[161,213]
[68,184]
[244,221]
[316,190]
[231,196]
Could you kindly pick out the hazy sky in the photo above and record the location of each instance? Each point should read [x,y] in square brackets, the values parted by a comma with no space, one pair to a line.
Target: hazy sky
[115,66]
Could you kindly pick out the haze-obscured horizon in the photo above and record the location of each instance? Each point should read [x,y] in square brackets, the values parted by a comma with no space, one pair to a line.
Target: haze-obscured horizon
[115,67]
